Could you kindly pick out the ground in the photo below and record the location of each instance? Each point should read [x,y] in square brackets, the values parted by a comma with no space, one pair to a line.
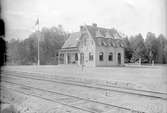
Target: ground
[20,103]
[140,77]
[143,77]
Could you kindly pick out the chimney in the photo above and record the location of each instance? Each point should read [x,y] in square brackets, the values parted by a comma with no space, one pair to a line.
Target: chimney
[94,25]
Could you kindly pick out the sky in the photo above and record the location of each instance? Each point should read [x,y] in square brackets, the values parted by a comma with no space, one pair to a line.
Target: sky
[127,16]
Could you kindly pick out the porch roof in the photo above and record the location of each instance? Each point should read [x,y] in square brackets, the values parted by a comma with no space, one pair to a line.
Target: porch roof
[72,49]
[72,41]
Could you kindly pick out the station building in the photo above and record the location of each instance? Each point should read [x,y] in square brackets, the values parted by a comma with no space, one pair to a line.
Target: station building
[93,46]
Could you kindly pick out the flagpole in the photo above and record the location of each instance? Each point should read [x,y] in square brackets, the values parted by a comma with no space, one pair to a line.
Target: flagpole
[38,44]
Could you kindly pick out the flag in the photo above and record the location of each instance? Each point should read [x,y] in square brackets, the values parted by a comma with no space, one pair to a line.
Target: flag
[37,22]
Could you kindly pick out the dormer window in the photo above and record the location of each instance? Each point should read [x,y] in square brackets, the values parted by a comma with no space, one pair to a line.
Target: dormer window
[107,35]
[94,25]
[98,34]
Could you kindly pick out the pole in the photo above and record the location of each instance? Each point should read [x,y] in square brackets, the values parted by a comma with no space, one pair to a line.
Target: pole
[140,61]
[38,45]
[152,62]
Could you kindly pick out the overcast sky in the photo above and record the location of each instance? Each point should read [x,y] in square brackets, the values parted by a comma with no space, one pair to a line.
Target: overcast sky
[127,16]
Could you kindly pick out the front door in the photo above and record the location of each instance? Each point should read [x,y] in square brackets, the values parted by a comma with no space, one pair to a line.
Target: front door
[68,58]
[119,58]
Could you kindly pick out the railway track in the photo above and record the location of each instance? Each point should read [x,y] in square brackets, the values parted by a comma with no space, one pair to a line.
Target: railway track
[63,80]
[89,84]
[48,95]
[45,98]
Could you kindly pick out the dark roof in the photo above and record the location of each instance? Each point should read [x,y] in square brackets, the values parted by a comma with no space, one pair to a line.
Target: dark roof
[72,41]
[103,31]
[98,34]
[110,37]
[101,36]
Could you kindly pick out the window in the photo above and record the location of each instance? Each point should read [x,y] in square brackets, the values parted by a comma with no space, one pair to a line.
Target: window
[101,56]
[76,56]
[61,58]
[110,56]
[119,58]
[90,57]
[61,55]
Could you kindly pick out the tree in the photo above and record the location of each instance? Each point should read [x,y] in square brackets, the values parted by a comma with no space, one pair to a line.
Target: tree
[26,51]
[165,53]
[53,39]
[162,49]
[12,51]
[138,48]
[152,45]
[128,50]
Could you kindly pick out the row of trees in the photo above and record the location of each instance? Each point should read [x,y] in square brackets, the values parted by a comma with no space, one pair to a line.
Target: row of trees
[26,51]
[51,40]
[151,49]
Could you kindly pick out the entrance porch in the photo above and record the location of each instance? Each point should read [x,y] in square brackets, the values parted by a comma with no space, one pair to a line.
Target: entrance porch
[69,56]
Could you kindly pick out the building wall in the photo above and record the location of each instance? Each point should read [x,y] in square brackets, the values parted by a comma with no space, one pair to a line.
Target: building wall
[87,46]
[106,51]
